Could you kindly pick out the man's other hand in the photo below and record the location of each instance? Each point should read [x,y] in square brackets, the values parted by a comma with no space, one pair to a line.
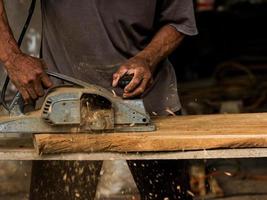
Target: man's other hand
[28,75]
[142,77]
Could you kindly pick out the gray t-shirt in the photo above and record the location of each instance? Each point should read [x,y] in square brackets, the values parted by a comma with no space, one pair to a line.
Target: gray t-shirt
[89,39]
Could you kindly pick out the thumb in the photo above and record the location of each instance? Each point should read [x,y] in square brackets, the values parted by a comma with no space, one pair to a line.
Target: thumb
[117,76]
[46,81]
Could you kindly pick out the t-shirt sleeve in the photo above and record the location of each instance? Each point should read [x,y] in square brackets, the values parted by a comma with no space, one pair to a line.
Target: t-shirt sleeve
[179,14]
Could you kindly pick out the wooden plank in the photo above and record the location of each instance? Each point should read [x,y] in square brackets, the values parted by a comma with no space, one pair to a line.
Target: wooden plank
[173,134]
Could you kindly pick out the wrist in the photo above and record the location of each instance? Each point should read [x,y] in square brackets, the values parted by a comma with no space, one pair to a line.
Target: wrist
[8,49]
[11,59]
[148,59]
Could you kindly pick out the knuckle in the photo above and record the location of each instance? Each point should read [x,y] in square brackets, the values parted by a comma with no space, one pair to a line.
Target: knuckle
[38,72]
[40,94]
[33,96]
[141,90]
[26,97]
[31,78]
[136,81]
[115,75]
[123,68]
[24,82]
[39,91]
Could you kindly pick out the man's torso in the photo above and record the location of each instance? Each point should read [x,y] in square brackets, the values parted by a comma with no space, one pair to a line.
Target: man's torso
[89,39]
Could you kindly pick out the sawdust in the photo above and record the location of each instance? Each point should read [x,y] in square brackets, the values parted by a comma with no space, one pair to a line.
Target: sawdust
[168,110]
[96,114]
[66,180]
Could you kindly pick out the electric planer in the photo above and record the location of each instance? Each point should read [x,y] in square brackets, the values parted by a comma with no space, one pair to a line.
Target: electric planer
[78,107]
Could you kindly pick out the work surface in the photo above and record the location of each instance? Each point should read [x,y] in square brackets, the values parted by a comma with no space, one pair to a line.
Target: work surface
[188,137]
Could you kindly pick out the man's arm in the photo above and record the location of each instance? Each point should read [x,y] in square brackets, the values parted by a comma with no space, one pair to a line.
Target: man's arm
[26,72]
[144,64]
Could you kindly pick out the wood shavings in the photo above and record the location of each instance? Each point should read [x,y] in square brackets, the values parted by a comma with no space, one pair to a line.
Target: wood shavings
[114,93]
[155,114]
[228,174]
[168,110]
[190,193]
[65,177]
[132,124]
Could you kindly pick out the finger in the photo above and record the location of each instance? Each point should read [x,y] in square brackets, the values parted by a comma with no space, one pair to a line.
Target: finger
[44,65]
[37,86]
[25,95]
[22,91]
[117,76]
[31,92]
[138,91]
[45,80]
[135,82]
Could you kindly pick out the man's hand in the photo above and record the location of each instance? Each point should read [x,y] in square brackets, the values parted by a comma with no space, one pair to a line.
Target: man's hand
[146,61]
[28,75]
[142,76]
[26,72]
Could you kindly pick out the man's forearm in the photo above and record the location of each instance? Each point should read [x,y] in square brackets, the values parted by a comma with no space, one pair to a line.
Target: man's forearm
[8,45]
[161,46]
[26,72]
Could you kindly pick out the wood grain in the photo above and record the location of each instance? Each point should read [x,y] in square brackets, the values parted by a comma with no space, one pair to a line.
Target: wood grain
[173,134]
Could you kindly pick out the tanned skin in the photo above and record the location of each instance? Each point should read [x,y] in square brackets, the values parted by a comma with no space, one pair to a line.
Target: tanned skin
[28,75]
[26,72]
[144,64]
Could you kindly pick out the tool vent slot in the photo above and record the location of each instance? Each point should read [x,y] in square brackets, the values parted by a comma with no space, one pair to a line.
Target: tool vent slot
[46,108]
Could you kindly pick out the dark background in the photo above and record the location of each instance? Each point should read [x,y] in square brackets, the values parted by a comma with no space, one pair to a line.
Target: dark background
[233,30]
[227,60]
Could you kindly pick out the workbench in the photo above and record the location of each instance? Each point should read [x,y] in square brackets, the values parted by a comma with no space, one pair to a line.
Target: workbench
[186,137]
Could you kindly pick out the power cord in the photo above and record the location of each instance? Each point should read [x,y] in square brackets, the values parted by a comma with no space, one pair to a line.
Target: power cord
[20,40]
